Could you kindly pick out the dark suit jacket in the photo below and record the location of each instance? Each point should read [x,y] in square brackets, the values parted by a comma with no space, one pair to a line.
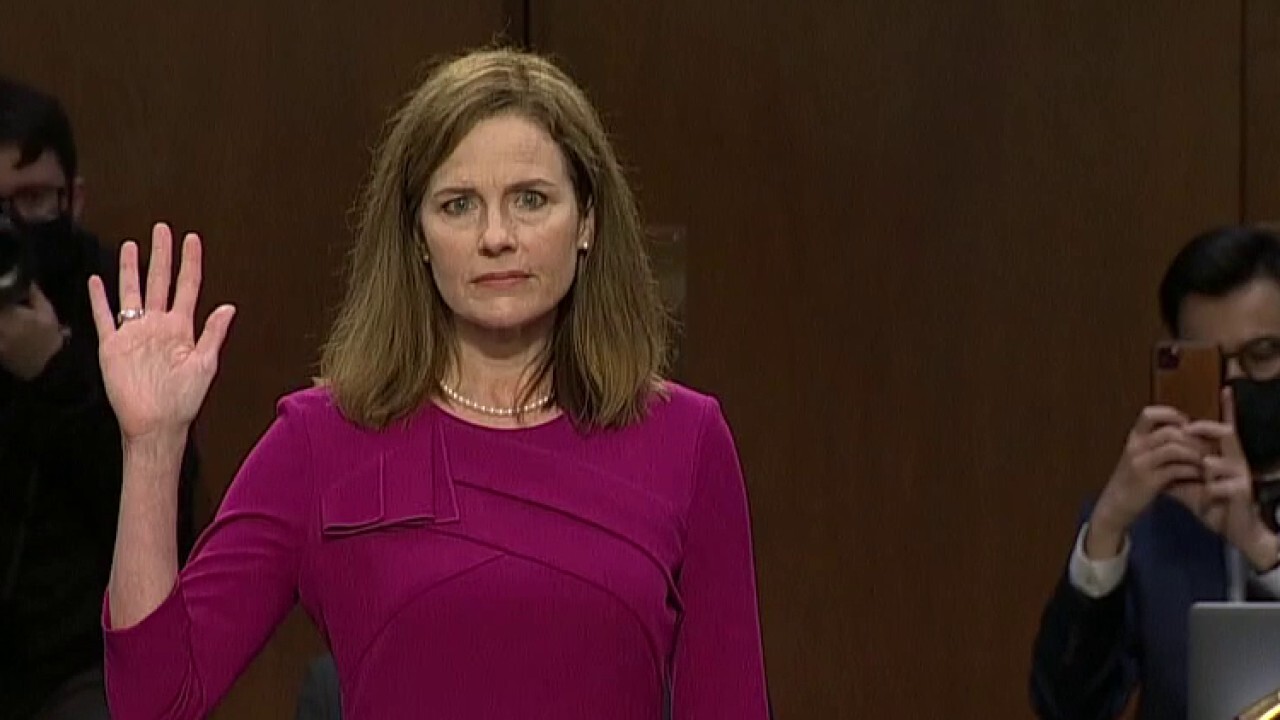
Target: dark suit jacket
[1089,654]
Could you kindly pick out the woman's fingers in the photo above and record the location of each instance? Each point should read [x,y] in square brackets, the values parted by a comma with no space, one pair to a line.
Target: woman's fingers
[130,290]
[215,331]
[159,268]
[190,272]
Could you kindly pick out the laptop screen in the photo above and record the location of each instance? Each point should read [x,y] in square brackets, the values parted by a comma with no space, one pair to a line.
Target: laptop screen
[1233,661]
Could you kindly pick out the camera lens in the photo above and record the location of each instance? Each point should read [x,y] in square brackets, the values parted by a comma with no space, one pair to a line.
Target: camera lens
[15,267]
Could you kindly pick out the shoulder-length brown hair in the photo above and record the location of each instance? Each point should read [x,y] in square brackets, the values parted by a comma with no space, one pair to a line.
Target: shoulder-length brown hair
[393,338]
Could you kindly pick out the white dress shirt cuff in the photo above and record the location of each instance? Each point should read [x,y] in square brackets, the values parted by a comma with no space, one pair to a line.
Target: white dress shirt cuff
[1099,578]
[1269,582]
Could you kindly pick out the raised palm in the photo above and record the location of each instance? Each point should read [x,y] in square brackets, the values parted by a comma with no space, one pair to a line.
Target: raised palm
[155,369]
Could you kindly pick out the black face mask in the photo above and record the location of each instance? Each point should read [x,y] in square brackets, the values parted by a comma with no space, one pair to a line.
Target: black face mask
[58,251]
[1258,421]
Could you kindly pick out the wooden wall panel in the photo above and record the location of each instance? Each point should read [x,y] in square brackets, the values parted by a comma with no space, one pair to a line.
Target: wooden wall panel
[1261,104]
[923,244]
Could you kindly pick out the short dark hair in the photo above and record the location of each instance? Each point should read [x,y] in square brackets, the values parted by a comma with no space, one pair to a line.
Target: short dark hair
[1214,264]
[35,121]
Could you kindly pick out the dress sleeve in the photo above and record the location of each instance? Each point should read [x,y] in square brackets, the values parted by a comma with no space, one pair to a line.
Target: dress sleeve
[239,584]
[719,658]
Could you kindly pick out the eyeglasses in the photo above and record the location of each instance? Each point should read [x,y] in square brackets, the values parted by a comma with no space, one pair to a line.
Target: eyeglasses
[1259,359]
[35,204]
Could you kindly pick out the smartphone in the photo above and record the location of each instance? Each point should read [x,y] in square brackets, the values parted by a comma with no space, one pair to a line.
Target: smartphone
[1189,377]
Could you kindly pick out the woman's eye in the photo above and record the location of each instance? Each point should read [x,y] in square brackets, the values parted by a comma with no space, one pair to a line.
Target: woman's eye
[458,206]
[530,200]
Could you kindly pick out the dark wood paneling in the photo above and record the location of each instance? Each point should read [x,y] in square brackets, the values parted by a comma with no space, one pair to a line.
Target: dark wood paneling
[1262,111]
[251,123]
[923,247]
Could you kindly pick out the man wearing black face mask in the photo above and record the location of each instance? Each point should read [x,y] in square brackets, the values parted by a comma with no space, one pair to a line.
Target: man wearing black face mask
[1178,521]
[59,442]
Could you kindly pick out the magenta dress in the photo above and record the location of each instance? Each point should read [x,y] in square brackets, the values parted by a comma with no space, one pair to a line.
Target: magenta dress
[464,573]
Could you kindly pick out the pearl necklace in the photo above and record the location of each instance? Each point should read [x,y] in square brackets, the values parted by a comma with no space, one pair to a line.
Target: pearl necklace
[532,406]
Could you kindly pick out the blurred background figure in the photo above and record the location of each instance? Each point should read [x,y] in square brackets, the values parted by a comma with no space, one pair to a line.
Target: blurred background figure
[1177,521]
[59,442]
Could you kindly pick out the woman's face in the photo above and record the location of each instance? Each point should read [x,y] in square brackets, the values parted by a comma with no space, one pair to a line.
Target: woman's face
[503,228]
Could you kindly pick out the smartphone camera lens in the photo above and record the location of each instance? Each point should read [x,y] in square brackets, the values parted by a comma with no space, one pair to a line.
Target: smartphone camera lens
[1167,357]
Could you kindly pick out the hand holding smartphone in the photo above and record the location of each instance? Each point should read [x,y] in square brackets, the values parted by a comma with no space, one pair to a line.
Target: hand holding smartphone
[1188,377]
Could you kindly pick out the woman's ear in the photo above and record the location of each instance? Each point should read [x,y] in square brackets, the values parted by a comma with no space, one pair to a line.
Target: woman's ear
[587,230]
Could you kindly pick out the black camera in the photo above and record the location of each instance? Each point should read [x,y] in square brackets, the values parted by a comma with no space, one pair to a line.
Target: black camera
[17,266]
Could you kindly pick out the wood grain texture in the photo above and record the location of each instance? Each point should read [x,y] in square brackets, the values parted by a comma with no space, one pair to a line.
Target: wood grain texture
[923,245]
[1261,87]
